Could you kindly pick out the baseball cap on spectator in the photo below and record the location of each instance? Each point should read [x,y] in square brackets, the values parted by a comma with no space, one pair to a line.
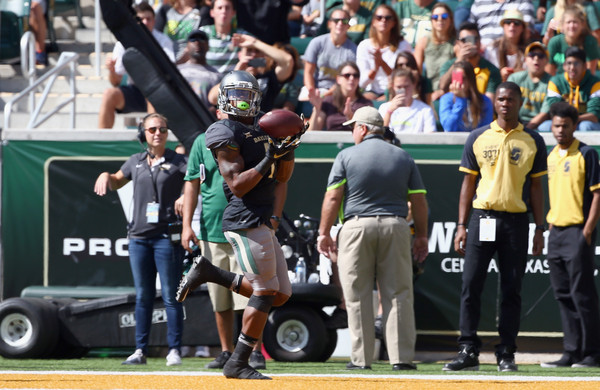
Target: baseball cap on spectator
[367,115]
[536,45]
[197,35]
[512,14]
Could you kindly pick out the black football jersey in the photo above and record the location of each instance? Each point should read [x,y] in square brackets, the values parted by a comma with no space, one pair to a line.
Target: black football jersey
[256,207]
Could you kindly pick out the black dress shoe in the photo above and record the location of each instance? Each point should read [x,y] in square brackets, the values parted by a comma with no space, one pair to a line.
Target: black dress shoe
[404,366]
[351,366]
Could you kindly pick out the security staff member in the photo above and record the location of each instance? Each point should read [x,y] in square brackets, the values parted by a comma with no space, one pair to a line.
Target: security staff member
[503,165]
[374,241]
[574,189]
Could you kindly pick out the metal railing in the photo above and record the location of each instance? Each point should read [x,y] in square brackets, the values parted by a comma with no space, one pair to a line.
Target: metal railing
[28,61]
[67,60]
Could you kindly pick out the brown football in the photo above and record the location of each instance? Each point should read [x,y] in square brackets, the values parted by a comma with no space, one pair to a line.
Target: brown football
[281,123]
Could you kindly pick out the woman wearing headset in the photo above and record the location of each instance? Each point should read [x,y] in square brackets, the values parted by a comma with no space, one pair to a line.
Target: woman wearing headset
[157,174]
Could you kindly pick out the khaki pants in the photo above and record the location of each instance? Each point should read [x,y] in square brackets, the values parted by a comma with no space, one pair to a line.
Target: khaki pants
[378,248]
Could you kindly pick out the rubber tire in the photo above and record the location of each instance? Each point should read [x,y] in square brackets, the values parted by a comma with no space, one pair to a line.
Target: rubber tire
[332,339]
[39,324]
[300,321]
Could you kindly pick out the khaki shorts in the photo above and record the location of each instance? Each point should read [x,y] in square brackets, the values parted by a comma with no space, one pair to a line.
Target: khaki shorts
[221,255]
[260,256]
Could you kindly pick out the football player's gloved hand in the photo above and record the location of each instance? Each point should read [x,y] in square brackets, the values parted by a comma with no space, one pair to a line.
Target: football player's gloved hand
[279,148]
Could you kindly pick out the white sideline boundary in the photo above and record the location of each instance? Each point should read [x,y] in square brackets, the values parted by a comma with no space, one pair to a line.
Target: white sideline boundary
[450,376]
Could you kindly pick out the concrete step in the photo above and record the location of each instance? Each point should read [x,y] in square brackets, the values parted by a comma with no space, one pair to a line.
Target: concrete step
[62,120]
[84,103]
[83,84]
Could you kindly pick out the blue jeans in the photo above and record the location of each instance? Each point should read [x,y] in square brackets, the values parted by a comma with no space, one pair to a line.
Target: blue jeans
[146,257]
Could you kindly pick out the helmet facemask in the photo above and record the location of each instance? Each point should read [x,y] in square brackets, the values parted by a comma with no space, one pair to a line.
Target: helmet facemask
[239,98]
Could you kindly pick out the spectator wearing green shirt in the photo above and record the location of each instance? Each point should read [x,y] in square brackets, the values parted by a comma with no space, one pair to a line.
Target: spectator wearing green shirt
[575,33]
[552,21]
[533,82]
[415,17]
[578,87]
[360,20]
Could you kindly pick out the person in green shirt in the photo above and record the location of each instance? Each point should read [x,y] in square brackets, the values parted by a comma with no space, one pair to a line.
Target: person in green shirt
[552,20]
[575,33]
[578,87]
[533,83]
[360,20]
[415,17]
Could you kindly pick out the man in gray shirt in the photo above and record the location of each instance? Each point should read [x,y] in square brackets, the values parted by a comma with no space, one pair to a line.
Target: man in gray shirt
[375,240]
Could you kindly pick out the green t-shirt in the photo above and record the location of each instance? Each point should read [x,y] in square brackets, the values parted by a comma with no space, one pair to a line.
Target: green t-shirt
[359,24]
[558,45]
[211,188]
[533,94]
[368,4]
[454,4]
[416,21]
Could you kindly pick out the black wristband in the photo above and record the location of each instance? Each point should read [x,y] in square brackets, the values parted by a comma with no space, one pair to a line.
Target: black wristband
[540,227]
[264,166]
[461,224]
[276,218]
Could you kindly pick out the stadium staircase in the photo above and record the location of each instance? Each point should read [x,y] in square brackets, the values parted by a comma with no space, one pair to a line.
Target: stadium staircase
[89,86]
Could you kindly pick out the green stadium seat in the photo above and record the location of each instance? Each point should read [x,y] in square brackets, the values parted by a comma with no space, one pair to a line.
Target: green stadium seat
[300,43]
[14,21]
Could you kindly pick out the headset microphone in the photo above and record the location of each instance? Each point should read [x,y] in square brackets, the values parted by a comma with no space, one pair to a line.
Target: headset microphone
[142,137]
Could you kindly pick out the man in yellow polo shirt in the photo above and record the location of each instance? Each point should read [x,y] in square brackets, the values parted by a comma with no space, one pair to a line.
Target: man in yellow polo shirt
[574,189]
[503,165]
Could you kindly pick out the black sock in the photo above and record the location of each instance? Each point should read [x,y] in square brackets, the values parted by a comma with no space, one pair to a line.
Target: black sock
[244,347]
[220,276]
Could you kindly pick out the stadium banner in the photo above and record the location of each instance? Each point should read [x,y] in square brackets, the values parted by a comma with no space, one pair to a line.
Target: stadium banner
[57,232]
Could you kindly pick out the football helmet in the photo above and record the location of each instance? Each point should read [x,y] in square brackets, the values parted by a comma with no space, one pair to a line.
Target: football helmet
[239,94]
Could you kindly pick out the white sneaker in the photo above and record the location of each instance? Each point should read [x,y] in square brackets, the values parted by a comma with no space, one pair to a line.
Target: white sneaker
[202,351]
[173,358]
[136,358]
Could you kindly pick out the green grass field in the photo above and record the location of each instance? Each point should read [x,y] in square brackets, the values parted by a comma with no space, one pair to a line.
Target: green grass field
[333,366]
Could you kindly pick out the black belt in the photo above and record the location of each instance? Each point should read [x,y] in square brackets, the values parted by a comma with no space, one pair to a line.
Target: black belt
[561,228]
[498,213]
[373,216]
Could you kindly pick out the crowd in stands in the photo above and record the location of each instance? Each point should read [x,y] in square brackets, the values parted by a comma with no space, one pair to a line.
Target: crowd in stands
[425,65]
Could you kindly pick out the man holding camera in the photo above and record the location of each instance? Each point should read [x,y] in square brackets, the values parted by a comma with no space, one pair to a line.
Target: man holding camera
[270,66]
[468,48]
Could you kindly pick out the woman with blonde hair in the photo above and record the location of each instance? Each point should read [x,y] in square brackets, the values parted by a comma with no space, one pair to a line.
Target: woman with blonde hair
[376,55]
[575,32]
[552,21]
[431,52]
[464,108]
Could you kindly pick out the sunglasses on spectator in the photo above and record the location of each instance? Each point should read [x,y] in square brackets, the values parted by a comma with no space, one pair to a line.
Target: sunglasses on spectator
[153,129]
[387,18]
[337,20]
[515,22]
[401,64]
[534,54]
[348,75]
[444,16]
